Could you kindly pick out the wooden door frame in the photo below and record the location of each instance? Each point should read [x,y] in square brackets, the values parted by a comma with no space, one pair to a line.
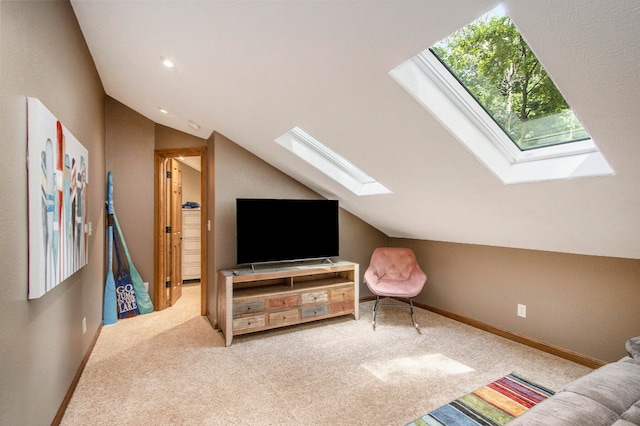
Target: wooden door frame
[159,220]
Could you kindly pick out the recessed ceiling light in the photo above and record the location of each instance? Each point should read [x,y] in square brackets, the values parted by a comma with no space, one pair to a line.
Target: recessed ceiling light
[193,125]
[164,111]
[167,62]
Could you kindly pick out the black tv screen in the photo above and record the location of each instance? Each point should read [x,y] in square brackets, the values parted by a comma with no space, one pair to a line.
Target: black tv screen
[274,230]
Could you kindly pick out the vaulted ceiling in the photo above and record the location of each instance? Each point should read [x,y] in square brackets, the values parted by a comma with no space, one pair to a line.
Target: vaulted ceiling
[252,70]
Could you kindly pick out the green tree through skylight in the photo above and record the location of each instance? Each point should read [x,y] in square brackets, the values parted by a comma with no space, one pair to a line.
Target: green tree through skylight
[494,63]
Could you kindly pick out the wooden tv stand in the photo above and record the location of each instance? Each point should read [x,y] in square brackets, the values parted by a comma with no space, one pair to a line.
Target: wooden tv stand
[250,301]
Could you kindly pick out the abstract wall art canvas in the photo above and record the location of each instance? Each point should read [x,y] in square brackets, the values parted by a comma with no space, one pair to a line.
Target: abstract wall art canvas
[58,178]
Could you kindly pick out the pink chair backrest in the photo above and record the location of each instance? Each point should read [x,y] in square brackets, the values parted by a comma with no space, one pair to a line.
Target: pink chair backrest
[393,262]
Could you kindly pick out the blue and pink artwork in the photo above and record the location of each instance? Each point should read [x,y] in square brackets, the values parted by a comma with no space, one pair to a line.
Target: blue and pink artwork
[58,178]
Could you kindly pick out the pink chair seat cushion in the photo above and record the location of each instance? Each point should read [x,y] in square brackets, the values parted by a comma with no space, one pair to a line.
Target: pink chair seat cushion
[394,272]
[396,288]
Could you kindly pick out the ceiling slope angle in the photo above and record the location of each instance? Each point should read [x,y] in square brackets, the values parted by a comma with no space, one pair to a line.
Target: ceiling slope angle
[252,70]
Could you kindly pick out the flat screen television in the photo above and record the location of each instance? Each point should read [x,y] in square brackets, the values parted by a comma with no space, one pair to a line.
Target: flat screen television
[278,230]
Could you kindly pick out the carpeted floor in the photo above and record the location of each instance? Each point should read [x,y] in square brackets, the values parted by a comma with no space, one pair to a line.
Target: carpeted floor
[171,368]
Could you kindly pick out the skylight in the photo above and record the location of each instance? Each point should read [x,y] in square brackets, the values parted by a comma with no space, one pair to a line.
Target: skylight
[495,65]
[330,162]
[486,86]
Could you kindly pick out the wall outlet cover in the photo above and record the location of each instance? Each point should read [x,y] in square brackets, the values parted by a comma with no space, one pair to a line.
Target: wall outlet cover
[522,311]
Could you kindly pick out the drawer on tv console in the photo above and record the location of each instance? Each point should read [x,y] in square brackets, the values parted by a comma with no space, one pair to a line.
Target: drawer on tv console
[342,307]
[315,311]
[342,293]
[242,307]
[283,301]
[248,323]
[315,297]
[291,316]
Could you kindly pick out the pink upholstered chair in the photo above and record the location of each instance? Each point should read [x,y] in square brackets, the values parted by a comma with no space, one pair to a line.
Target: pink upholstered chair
[394,272]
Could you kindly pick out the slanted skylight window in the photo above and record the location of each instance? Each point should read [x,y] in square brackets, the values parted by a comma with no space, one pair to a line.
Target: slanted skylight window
[495,65]
[484,83]
[330,162]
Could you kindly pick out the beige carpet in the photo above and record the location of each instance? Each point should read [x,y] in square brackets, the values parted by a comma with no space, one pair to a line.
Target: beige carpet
[171,368]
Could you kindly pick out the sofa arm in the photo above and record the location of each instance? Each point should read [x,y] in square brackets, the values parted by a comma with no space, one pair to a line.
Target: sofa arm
[567,409]
[615,385]
[633,348]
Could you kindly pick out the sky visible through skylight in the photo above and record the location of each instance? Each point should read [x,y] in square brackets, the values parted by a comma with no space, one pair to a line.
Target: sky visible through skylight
[492,61]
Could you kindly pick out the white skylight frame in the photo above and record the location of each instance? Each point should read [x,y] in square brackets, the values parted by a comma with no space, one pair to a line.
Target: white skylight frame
[426,79]
[329,162]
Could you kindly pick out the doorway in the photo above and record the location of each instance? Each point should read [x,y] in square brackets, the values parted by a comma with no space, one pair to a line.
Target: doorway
[168,227]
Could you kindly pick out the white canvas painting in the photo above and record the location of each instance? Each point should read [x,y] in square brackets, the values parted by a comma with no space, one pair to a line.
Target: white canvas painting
[58,178]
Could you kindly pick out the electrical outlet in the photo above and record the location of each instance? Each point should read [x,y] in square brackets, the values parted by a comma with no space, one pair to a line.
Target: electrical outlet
[84,325]
[522,310]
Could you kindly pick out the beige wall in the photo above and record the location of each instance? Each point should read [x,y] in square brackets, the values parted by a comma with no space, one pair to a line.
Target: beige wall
[358,239]
[168,138]
[43,55]
[131,142]
[190,184]
[584,304]
[130,146]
